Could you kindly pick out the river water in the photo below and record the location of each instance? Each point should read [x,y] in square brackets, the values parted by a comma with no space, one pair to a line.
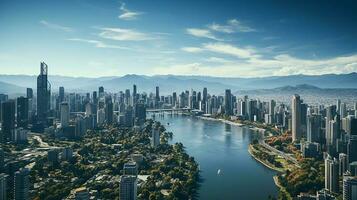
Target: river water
[227,169]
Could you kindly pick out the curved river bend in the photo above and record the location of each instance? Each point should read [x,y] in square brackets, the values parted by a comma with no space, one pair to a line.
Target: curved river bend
[227,169]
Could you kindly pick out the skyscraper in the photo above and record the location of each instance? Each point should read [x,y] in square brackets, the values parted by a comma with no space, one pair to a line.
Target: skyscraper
[61,94]
[64,108]
[157,97]
[349,188]
[331,174]
[101,91]
[352,149]
[134,95]
[8,120]
[43,94]
[228,108]
[22,117]
[3,186]
[313,128]
[155,136]
[29,93]
[296,118]
[343,163]
[21,184]
[2,160]
[128,187]
[130,168]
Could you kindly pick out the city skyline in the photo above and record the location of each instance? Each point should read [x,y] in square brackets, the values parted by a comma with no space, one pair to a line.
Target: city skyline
[236,39]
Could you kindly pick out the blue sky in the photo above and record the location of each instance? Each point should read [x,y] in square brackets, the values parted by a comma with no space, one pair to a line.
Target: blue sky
[218,38]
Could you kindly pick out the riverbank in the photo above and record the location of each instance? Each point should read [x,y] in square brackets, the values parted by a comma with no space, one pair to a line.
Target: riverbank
[265,163]
[282,189]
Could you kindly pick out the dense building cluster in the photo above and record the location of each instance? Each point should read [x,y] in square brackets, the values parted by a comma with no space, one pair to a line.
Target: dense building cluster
[325,132]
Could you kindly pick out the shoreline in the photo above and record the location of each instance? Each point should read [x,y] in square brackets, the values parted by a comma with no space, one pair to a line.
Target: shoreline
[262,162]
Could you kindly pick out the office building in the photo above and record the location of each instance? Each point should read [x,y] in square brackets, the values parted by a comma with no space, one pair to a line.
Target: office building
[228,108]
[296,118]
[22,114]
[64,114]
[331,175]
[352,149]
[8,120]
[3,186]
[21,184]
[155,136]
[313,128]
[349,187]
[343,163]
[128,187]
[130,168]
[43,94]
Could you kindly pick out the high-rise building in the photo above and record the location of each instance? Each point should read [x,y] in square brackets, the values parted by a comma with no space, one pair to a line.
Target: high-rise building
[21,184]
[2,160]
[228,106]
[61,94]
[109,110]
[313,128]
[331,174]
[64,114]
[101,91]
[3,186]
[330,114]
[352,149]
[157,96]
[29,93]
[343,163]
[8,120]
[22,105]
[349,188]
[130,168]
[296,118]
[134,95]
[128,187]
[43,94]
[155,136]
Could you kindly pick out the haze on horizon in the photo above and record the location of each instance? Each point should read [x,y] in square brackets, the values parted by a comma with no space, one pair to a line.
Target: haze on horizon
[217,38]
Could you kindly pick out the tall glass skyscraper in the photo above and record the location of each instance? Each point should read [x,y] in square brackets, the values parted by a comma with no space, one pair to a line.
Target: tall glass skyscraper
[43,94]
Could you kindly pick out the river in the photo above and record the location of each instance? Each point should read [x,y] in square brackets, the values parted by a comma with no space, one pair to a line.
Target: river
[227,169]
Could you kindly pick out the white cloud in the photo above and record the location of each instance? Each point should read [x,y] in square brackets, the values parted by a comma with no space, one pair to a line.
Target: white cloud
[232,26]
[192,49]
[203,33]
[224,48]
[249,62]
[228,49]
[128,14]
[56,26]
[218,60]
[98,44]
[123,34]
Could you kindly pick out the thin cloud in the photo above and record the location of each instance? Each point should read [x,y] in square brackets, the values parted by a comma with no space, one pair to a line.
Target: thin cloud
[232,26]
[224,48]
[202,33]
[98,44]
[192,49]
[121,34]
[128,14]
[56,26]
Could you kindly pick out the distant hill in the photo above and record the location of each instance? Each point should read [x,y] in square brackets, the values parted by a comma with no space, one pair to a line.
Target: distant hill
[170,83]
[10,88]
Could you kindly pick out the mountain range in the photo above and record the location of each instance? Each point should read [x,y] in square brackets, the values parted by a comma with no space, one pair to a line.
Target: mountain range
[169,83]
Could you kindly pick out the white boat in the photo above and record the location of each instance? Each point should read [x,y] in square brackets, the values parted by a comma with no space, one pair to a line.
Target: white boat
[219,172]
